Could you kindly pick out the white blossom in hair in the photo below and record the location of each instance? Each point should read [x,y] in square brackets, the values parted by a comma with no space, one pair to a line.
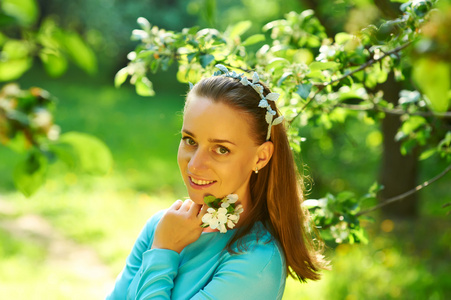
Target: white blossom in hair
[264,102]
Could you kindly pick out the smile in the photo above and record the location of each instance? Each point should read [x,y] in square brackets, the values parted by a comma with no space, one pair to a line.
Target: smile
[201,182]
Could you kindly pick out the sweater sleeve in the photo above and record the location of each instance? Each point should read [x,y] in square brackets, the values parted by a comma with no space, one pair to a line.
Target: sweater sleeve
[160,267]
[134,260]
[257,274]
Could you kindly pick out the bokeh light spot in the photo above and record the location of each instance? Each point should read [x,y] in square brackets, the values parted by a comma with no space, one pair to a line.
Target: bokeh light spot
[387,225]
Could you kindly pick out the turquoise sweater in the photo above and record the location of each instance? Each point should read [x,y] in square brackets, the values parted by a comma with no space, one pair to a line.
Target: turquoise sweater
[203,270]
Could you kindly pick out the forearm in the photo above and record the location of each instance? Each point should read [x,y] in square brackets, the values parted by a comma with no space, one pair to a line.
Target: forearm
[159,269]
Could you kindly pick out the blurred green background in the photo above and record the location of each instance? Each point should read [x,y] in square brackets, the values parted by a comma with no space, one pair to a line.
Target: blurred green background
[71,238]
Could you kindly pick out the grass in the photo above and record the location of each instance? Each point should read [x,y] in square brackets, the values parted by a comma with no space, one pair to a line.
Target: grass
[403,260]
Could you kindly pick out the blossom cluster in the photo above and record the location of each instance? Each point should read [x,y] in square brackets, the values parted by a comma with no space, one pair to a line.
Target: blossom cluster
[269,117]
[222,213]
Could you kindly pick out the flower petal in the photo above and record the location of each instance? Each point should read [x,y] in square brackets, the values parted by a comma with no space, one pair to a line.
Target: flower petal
[214,224]
[277,121]
[222,228]
[222,219]
[273,96]
[230,224]
[232,198]
[222,68]
[263,103]
[222,211]
[244,81]
[255,78]
[206,218]
[233,217]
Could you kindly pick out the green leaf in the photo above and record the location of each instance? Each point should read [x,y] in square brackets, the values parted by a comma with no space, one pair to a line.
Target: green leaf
[318,65]
[80,52]
[13,69]
[304,90]
[240,28]
[360,235]
[254,39]
[91,154]
[209,200]
[65,152]
[18,143]
[206,59]
[120,77]
[412,124]
[25,11]
[144,87]
[29,175]
[55,65]
[428,153]
[433,77]
[16,49]
[277,63]
[191,56]
[342,37]
[284,77]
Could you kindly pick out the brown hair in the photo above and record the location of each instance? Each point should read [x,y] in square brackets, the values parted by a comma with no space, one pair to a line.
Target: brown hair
[276,191]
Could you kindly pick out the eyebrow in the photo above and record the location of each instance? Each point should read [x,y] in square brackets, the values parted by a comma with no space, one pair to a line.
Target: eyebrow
[220,141]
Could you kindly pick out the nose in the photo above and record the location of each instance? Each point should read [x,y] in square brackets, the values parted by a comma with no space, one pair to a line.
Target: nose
[198,161]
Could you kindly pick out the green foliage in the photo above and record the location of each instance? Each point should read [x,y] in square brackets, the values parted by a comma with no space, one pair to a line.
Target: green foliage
[83,151]
[26,116]
[337,217]
[411,263]
[30,174]
[53,45]
[323,80]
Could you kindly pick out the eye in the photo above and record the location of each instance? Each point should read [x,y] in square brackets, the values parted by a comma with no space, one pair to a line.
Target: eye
[221,150]
[188,141]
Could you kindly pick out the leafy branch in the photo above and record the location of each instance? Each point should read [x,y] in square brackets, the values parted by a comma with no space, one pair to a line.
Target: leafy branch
[394,111]
[362,67]
[370,62]
[316,76]
[406,194]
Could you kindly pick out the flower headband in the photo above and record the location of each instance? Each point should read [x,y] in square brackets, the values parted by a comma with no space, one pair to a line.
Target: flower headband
[223,71]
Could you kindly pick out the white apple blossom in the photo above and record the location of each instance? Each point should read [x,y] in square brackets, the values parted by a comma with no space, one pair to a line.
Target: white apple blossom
[226,216]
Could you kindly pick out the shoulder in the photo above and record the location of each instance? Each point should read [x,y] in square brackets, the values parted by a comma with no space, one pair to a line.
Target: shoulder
[262,250]
[259,264]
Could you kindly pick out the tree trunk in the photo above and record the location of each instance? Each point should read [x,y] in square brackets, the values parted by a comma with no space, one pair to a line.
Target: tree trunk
[398,172]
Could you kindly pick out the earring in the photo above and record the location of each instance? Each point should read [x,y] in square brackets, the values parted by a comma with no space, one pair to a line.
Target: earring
[256,170]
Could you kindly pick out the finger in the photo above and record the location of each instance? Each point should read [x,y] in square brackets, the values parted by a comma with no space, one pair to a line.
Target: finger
[176,205]
[202,212]
[186,205]
[194,209]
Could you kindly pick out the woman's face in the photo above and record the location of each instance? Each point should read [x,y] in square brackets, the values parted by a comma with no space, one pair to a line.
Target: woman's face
[216,154]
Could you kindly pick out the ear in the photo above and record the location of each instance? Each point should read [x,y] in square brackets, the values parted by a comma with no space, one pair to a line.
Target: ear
[264,154]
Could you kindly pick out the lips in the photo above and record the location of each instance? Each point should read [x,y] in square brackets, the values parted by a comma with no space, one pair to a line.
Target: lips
[200,183]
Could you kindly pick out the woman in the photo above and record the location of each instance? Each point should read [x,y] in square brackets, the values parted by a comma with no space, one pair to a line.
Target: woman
[231,148]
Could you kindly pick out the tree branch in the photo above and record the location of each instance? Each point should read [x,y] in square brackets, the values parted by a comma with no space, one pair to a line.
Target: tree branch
[406,194]
[393,111]
[370,62]
[366,65]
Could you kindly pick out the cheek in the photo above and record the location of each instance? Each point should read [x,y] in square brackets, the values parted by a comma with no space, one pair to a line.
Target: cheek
[239,171]
[181,157]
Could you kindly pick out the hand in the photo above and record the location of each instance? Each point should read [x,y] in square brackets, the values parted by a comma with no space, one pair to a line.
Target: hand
[179,226]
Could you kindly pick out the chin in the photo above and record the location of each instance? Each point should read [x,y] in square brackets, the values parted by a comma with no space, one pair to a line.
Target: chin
[196,198]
